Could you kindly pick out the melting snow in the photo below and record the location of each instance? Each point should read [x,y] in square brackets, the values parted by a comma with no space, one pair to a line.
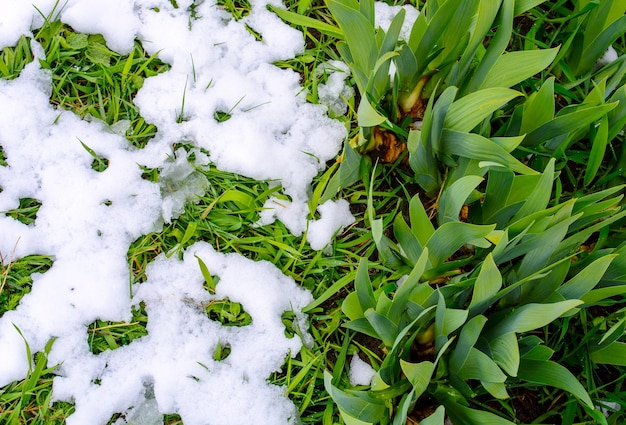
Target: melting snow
[88,219]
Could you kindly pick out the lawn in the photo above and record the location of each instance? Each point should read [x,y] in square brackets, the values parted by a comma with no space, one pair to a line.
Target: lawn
[342,212]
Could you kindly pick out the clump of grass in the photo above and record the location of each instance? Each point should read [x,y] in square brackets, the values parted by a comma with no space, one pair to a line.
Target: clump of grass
[107,335]
[91,80]
[16,277]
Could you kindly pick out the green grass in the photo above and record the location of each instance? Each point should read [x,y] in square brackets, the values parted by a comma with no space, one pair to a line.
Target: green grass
[91,80]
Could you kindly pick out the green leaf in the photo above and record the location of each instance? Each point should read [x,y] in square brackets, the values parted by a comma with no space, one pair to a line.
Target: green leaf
[599,142]
[401,297]
[480,366]
[614,353]
[454,197]
[514,67]
[358,33]
[305,21]
[505,352]
[357,404]
[467,339]
[363,286]
[486,287]
[409,243]
[385,328]
[448,238]
[437,418]
[531,316]
[419,374]
[367,116]
[465,415]
[496,389]
[485,16]
[586,279]
[440,111]
[567,123]
[540,196]
[554,375]
[474,146]
[522,6]
[206,275]
[420,223]
[496,46]
[469,111]
[596,48]
[539,108]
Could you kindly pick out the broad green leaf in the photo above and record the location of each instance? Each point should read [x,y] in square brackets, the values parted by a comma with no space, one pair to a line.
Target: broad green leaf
[617,117]
[474,146]
[614,354]
[402,412]
[485,16]
[469,111]
[486,287]
[514,67]
[466,415]
[596,48]
[538,352]
[586,279]
[522,6]
[363,286]
[349,420]
[453,319]
[420,223]
[467,339]
[499,186]
[496,47]
[457,33]
[384,244]
[480,366]
[436,29]
[363,326]
[540,196]
[305,21]
[454,197]
[539,108]
[419,374]
[614,333]
[598,148]
[592,297]
[496,389]
[401,297]
[356,404]
[351,306]
[437,418]
[385,328]
[440,111]
[567,123]
[407,240]
[531,316]
[505,352]
[448,238]
[358,33]
[554,375]
[367,116]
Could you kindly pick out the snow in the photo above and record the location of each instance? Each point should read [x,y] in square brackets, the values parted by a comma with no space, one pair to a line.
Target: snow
[335,216]
[361,373]
[385,13]
[88,219]
[608,57]
[334,92]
